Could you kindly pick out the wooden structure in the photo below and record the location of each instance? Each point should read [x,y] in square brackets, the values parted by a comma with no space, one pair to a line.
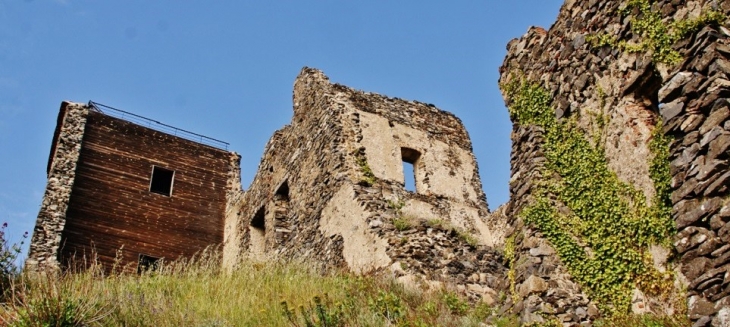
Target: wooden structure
[136,194]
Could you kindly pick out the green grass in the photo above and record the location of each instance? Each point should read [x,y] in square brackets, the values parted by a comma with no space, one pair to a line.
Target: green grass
[197,293]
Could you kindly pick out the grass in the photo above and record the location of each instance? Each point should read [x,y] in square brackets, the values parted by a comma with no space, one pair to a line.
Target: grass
[644,320]
[403,223]
[198,293]
[463,234]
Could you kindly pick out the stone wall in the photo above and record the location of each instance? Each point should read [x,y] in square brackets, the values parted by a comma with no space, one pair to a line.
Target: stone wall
[694,103]
[231,237]
[330,190]
[634,91]
[64,156]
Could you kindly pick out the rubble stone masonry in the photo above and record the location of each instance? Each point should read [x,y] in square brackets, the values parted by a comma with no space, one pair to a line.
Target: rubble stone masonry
[634,90]
[46,239]
[330,189]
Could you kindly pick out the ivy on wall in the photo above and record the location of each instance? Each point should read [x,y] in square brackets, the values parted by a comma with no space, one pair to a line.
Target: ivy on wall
[657,35]
[600,226]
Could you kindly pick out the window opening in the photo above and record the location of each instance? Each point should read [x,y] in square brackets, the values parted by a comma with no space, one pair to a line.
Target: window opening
[257,232]
[409,176]
[147,263]
[161,181]
[410,157]
[258,221]
[281,213]
[283,191]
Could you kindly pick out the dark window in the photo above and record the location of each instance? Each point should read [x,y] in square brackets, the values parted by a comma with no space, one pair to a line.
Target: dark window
[283,191]
[147,263]
[161,181]
[258,221]
[257,234]
[410,157]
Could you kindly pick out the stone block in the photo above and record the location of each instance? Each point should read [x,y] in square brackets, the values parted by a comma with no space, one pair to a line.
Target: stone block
[533,284]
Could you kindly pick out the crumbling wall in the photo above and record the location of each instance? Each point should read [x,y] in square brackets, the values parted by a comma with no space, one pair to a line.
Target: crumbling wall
[302,168]
[330,189]
[616,83]
[62,162]
[231,237]
[437,234]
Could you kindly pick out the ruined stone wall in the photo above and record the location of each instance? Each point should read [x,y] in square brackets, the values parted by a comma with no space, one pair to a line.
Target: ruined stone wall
[302,167]
[46,239]
[330,189]
[589,77]
[230,247]
[437,233]
[694,102]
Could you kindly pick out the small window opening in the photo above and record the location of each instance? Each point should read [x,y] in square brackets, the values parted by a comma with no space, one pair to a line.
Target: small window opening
[281,213]
[147,263]
[410,176]
[283,191]
[410,157]
[161,181]
[257,233]
[258,221]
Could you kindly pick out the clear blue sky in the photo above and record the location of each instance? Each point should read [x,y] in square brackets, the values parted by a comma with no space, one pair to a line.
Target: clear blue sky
[225,69]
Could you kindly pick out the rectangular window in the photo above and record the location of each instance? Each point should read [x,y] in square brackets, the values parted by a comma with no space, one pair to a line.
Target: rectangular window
[410,158]
[259,219]
[257,245]
[410,176]
[161,181]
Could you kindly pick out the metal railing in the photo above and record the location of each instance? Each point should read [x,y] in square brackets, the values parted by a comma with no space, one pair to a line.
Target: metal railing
[158,126]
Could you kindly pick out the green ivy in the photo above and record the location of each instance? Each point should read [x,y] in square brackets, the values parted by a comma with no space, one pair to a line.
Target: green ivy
[658,36]
[604,236]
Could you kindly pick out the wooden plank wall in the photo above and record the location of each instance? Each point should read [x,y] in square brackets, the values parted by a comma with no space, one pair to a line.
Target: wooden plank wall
[112,209]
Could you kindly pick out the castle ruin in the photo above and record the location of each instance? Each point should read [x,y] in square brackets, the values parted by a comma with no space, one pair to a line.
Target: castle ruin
[330,189]
[618,190]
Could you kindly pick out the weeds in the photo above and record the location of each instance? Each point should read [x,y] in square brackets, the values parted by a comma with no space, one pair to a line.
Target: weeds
[321,313]
[645,320]
[196,292]
[9,253]
[49,303]
[403,223]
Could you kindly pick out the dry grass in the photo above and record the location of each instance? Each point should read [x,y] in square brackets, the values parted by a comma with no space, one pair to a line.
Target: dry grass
[197,293]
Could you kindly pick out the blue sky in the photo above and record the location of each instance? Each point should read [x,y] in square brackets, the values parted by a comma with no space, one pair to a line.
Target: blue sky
[225,69]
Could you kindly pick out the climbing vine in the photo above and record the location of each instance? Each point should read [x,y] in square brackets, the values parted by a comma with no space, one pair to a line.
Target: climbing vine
[658,36]
[600,226]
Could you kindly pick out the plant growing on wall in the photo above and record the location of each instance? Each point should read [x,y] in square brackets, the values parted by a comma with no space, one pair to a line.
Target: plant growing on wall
[368,177]
[604,226]
[657,36]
